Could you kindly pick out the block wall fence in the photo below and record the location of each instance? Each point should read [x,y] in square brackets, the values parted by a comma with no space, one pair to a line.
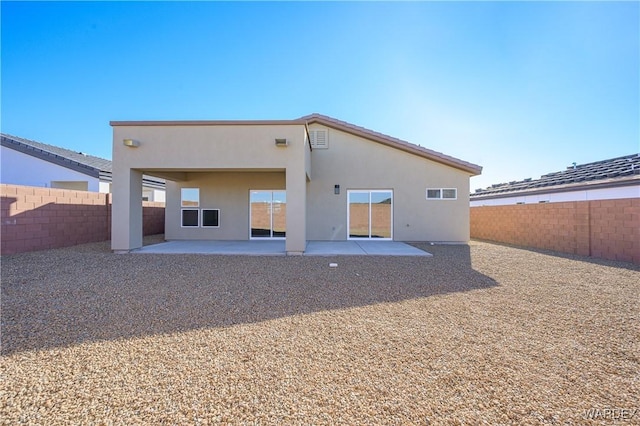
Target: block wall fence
[36,218]
[607,229]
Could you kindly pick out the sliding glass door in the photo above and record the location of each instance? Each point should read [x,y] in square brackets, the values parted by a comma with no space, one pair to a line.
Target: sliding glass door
[268,214]
[370,214]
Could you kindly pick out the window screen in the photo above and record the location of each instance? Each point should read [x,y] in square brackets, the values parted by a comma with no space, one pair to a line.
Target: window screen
[433,193]
[450,193]
[211,217]
[189,217]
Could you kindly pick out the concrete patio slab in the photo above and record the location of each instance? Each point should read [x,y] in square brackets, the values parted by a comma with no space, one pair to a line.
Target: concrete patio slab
[253,248]
[277,248]
[362,248]
[390,248]
[331,248]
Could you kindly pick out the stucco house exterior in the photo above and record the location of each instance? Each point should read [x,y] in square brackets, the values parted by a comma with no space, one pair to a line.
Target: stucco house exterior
[31,163]
[312,178]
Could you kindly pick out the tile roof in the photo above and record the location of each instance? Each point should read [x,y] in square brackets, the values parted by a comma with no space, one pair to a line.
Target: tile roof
[615,171]
[78,161]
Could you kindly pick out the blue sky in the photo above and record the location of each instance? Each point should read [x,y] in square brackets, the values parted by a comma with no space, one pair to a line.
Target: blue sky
[521,88]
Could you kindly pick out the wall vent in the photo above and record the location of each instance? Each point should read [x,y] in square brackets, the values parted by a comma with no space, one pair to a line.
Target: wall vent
[319,139]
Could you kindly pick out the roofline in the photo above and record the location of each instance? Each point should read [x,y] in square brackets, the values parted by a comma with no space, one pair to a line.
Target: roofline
[472,169]
[207,123]
[609,183]
[390,141]
[50,157]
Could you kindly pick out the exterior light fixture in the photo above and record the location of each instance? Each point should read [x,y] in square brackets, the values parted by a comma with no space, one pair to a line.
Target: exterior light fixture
[281,142]
[131,143]
[336,189]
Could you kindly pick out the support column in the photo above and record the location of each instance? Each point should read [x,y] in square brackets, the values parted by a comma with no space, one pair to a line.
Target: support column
[296,241]
[126,210]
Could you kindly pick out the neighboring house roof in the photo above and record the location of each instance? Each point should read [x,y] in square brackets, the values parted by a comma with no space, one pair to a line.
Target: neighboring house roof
[324,120]
[615,172]
[77,161]
[81,162]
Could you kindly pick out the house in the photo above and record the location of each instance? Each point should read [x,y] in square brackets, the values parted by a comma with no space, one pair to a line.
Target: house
[312,178]
[615,178]
[31,163]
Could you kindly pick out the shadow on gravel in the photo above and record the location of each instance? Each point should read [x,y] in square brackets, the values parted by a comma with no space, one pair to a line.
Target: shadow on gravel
[64,297]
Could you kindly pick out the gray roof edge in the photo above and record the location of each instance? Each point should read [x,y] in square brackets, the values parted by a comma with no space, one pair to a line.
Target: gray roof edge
[17,145]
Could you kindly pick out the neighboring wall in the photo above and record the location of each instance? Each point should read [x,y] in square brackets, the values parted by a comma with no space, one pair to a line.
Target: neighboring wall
[23,169]
[44,218]
[608,229]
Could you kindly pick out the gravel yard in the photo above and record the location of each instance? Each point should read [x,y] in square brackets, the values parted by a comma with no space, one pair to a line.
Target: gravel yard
[478,334]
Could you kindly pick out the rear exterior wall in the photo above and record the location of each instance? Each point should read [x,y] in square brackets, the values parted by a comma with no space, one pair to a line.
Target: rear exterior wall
[356,163]
[226,191]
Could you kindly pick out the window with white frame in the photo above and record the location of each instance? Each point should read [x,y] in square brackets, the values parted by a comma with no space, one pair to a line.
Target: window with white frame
[190,197]
[190,216]
[210,218]
[442,193]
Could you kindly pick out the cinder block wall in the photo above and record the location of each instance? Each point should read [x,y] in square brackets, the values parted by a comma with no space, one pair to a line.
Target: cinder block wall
[43,218]
[608,229]
[152,218]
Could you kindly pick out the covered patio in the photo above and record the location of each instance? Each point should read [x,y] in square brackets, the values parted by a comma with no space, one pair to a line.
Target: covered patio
[277,248]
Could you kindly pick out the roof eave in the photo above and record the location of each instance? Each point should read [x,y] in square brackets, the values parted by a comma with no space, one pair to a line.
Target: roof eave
[207,123]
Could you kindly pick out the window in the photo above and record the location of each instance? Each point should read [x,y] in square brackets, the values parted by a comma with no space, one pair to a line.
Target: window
[442,193]
[319,139]
[190,197]
[449,194]
[211,218]
[190,217]
[434,193]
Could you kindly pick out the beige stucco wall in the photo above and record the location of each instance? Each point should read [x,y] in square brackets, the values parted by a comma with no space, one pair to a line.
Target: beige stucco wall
[176,151]
[227,191]
[356,163]
[176,147]
[226,161]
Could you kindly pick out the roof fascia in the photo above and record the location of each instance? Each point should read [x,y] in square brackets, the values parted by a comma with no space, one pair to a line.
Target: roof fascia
[209,123]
